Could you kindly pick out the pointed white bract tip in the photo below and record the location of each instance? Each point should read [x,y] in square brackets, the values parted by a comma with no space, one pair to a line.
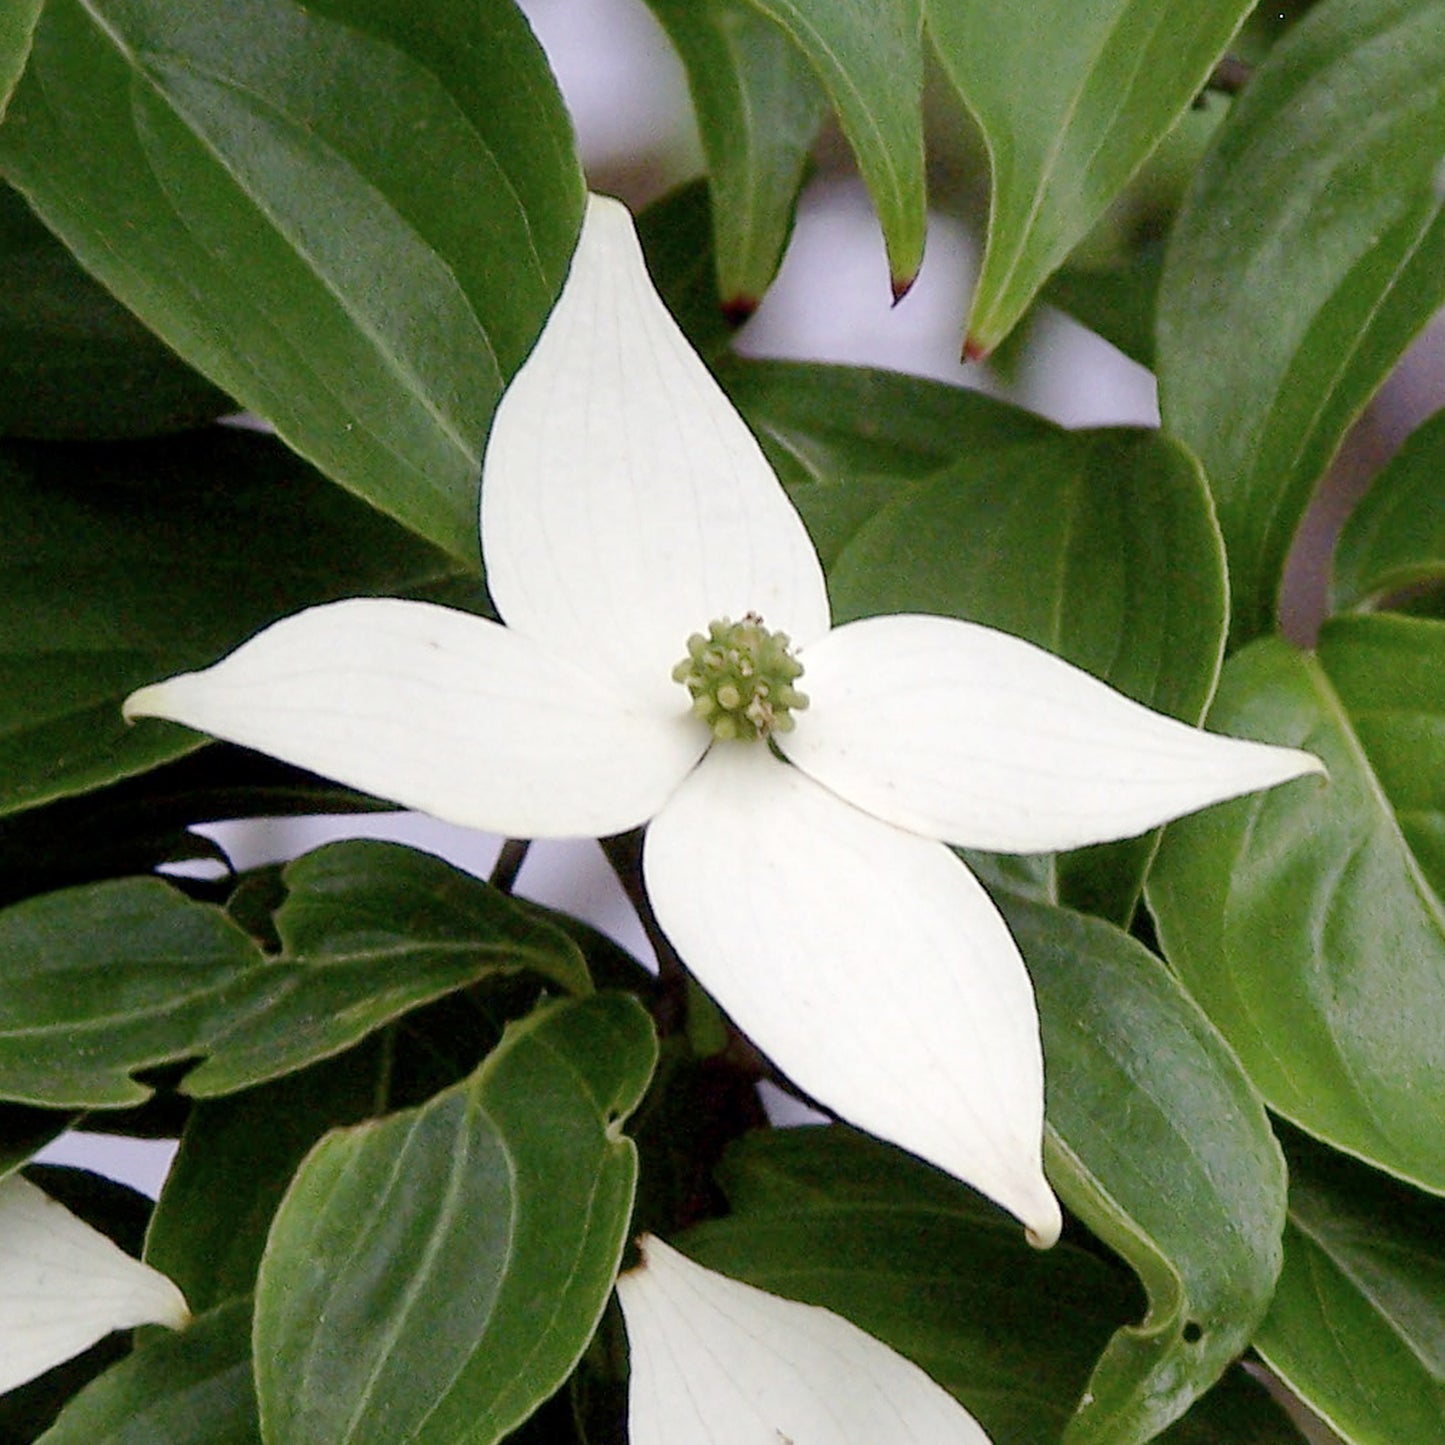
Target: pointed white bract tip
[718,1362]
[64,1285]
[1044,1221]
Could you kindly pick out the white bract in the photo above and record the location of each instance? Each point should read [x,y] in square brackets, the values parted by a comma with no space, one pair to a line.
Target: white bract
[64,1285]
[625,508]
[717,1362]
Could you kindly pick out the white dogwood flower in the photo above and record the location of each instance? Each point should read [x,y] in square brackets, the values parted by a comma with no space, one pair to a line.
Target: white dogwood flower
[661,599]
[718,1361]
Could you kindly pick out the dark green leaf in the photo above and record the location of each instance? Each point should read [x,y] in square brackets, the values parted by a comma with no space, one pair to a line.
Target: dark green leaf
[351,215]
[1237,1411]
[837,1219]
[25,1131]
[844,438]
[123,564]
[435,1276]
[758,112]
[1100,546]
[1309,252]
[191,1388]
[236,1159]
[1308,920]
[1394,541]
[1357,1328]
[17,26]
[677,239]
[1071,99]
[1159,1143]
[868,54]
[1117,302]
[101,981]
[73,361]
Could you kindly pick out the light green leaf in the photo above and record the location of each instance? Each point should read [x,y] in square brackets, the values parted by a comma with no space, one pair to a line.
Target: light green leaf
[17,27]
[73,361]
[247,532]
[353,216]
[1310,251]
[1309,920]
[1159,1143]
[191,1388]
[837,1219]
[1394,541]
[868,54]
[99,982]
[1357,1328]
[1100,546]
[1071,96]
[759,110]
[435,1276]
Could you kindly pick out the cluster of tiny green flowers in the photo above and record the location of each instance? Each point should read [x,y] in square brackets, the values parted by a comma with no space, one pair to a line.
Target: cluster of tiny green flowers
[741,679]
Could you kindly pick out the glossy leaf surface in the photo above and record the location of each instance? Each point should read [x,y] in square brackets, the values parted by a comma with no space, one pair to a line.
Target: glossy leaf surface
[1357,1328]
[868,55]
[192,1388]
[758,111]
[210,164]
[103,981]
[248,532]
[1071,98]
[73,361]
[1317,207]
[433,1277]
[1159,1143]
[1394,540]
[1308,921]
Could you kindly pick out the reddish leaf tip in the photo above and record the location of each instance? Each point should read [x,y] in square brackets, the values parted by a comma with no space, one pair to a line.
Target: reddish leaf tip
[974,350]
[737,309]
[902,285]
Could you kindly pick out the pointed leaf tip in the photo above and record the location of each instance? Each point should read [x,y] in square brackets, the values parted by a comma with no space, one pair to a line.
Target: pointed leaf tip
[974,350]
[738,309]
[902,285]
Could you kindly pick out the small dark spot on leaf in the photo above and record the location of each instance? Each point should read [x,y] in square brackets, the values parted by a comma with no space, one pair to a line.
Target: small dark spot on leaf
[1193,1332]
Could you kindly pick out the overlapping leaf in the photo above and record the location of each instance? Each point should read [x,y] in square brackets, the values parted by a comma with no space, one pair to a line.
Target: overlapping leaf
[246,532]
[1077,543]
[1309,920]
[1357,1328]
[311,204]
[17,26]
[73,361]
[435,1276]
[1159,1143]
[1394,541]
[102,981]
[1071,98]
[192,1388]
[758,111]
[1310,251]
[868,55]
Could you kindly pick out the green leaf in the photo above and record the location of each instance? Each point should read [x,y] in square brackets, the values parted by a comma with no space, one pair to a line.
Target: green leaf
[758,112]
[1117,302]
[25,1131]
[1237,1411]
[190,1388]
[124,564]
[237,1157]
[1394,541]
[353,216]
[1159,1143]
[74,363]
[101,981]
[677,239]
[435,1276]
[843,438]
[868,54]
[1316,208]
[837,1219]
[1100,546]
[17,27]
[1308,920]
[1357,1328]
[1071,98]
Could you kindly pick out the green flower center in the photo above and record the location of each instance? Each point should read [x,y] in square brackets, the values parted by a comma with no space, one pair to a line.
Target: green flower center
[741,679]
